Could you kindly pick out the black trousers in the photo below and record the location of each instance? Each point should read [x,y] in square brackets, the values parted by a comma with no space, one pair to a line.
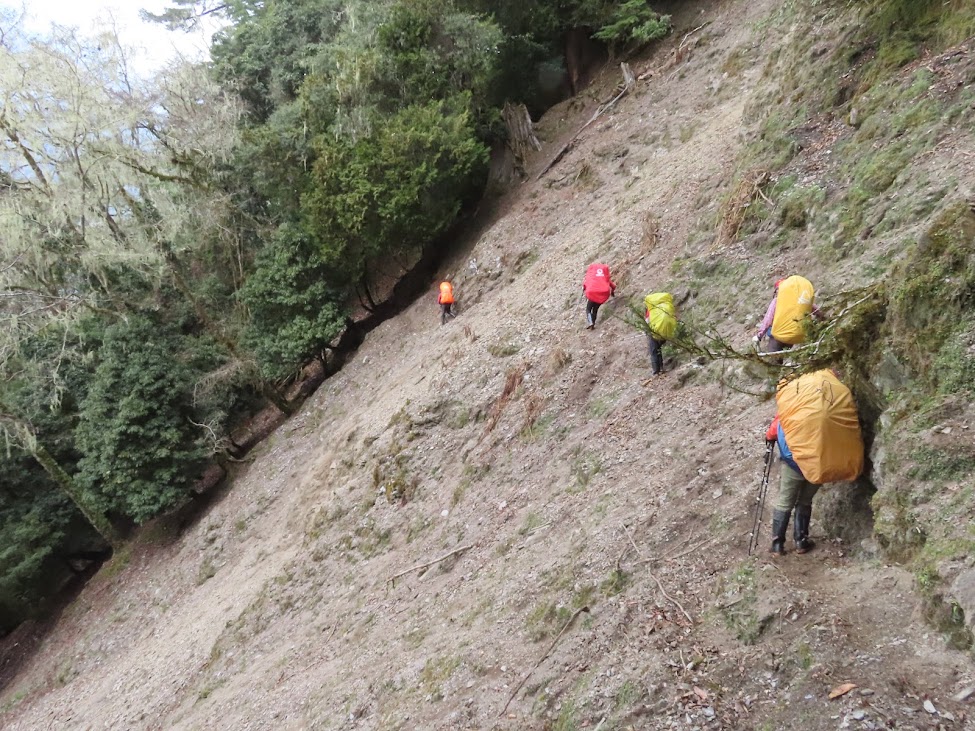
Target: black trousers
[656,356]
[591,309]
[775,345]
[444,312]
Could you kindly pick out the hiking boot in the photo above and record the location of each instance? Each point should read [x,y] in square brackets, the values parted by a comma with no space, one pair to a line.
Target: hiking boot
[800,528]
[780,522]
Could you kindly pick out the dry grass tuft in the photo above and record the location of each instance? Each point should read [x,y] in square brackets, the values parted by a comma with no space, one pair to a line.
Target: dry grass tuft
[534,405]
[512,381]
[735,209]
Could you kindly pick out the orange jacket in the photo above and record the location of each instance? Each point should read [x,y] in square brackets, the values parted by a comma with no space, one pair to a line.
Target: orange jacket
[446,296]
[772,433]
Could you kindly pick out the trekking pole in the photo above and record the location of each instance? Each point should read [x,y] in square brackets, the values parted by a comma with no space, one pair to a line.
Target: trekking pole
[760,500]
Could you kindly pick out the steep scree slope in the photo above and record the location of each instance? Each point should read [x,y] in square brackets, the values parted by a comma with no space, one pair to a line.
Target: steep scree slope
[538,452]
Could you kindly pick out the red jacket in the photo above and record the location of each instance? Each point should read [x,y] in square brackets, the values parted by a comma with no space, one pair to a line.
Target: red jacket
[597,285]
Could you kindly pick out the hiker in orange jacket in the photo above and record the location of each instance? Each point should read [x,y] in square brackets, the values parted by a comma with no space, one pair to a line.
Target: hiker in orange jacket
[598,287]
[446,300]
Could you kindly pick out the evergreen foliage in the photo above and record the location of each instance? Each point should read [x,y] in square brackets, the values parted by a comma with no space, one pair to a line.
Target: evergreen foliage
[38,527]
[634,23]
[293,303]
[390,193]
[139,448]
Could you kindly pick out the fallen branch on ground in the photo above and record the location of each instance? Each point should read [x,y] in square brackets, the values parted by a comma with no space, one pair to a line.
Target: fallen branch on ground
[430,563]
[628,82]
[660,586]
[735,209]
[676,56]
[692,549]
[319,661]
[551,647]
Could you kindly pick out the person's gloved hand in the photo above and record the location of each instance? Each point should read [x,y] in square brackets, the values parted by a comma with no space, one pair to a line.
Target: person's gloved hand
[756,340]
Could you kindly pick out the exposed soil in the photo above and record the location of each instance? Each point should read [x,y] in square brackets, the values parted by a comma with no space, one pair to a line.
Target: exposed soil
[568,479]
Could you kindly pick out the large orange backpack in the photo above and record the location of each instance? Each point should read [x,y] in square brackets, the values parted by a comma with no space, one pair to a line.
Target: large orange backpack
[446,294]
[793,305]
[819,420]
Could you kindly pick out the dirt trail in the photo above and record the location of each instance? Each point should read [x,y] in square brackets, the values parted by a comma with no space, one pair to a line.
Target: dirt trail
[515,431]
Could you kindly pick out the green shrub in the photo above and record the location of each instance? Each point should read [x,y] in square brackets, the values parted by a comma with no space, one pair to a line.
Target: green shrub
[295,310]
[391,193]
[634,23]
[135,429]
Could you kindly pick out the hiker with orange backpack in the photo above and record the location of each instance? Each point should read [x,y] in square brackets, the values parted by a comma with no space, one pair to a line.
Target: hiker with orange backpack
[817,431]
[598,287]
[446,300]
[785,319]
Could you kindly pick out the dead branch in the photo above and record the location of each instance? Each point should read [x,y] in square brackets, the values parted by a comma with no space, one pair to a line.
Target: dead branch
[693,548]
[513,380]
[651,233]
[660,586]
[676,56]
[551,647]
[319,661]
[628,83]
[683,41]
[736,207]
[431,563]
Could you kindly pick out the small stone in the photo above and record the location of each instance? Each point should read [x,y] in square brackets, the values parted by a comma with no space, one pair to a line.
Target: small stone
[858,715]
[444,513]
[946,430]
[866,692]
[963,695]
[929,707]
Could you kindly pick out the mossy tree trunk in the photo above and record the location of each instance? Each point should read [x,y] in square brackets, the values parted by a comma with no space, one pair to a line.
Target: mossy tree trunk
[97,520]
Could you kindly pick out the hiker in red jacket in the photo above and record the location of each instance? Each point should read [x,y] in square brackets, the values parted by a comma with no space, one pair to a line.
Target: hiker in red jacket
[598,287]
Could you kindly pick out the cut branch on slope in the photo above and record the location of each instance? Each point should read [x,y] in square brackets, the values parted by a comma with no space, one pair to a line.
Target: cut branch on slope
[660,586]
[430,563]
[548,652]
[628,82]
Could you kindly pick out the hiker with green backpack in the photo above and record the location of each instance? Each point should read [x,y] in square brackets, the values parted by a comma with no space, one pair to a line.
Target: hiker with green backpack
[661,318]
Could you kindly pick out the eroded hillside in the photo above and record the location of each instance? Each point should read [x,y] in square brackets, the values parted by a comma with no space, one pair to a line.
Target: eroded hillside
[597,521]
